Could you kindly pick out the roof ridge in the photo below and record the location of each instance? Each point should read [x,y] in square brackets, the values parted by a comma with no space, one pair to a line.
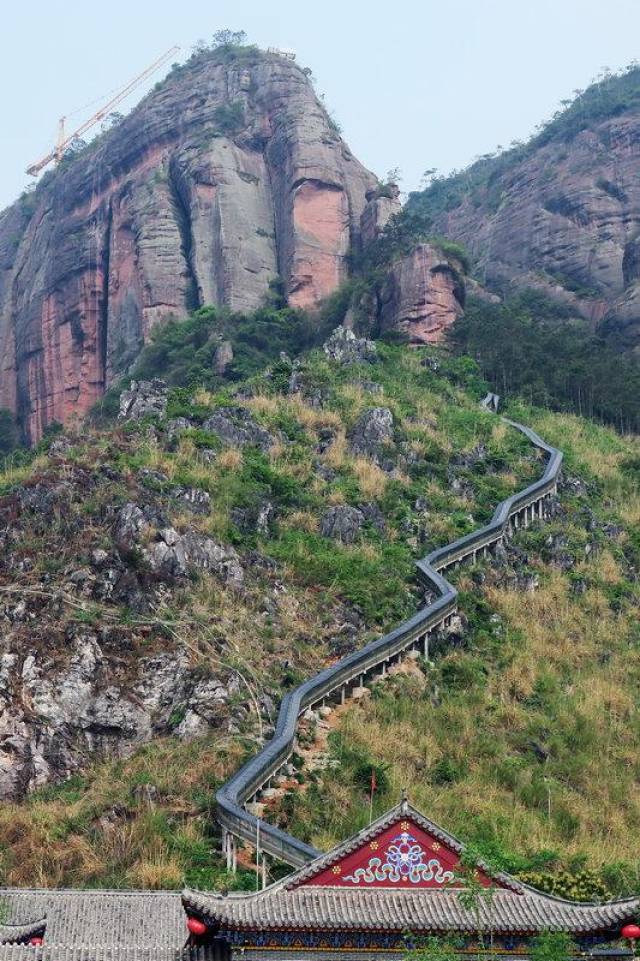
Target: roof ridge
[141,892]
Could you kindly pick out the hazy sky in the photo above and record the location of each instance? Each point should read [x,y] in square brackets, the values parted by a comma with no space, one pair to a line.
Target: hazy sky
[413,84]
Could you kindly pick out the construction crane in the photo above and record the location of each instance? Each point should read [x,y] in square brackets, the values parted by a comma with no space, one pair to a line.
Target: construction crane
[65,139]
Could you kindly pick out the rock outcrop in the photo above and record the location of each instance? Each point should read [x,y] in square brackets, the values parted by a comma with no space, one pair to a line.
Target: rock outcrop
[345,348]
[51,719]
[372,435]
[144,398]
[343,523]
[227,176]
[422,296]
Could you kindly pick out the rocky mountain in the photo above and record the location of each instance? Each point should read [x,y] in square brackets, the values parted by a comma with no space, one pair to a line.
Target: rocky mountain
[229,175]
[560,213]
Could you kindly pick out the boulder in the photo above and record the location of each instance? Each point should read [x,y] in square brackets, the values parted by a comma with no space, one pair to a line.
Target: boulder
[343,523]
[130,522]
[374,516]
[193,499]
[253,520]
[179,555]
[372,434]
[145,398]
[236,427]
[345,348]
[176,425]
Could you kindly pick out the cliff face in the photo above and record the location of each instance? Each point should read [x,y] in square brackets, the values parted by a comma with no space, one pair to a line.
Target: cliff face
[228,175]
[561,214]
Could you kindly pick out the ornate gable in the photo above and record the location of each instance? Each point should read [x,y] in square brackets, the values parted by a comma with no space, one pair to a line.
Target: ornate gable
[401,850]
[403,855]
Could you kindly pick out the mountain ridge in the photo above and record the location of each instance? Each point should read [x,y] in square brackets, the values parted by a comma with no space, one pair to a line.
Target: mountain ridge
[558,213]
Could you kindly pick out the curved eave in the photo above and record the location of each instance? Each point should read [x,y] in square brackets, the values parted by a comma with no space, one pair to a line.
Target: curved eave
[419,910]
[22,933]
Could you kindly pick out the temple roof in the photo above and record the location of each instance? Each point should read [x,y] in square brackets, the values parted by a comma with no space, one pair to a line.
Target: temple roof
[419,911]
[405,817]
[109,919]
[402,873]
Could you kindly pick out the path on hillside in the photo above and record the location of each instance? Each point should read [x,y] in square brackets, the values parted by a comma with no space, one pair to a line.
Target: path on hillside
[260,778]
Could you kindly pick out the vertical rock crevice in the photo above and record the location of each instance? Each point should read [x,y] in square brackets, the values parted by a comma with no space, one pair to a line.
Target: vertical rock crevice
[182,209]
[103,331]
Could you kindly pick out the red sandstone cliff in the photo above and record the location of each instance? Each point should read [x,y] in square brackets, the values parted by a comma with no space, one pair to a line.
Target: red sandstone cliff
[422,295]
[228,175]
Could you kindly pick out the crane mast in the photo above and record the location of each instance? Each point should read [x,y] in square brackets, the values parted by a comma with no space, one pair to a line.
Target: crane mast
[64,139]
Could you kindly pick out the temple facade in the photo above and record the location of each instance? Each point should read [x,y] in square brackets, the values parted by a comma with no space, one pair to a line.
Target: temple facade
[387,889]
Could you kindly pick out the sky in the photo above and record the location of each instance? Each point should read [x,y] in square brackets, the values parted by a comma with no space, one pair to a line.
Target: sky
[414,84]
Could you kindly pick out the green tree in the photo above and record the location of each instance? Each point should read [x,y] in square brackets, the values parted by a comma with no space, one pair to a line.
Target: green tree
[9,438]
[552,946]
[229,38]
[476,896]
[429,949]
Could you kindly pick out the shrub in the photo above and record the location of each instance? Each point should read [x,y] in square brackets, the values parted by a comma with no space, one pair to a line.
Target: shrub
[585,885]
[552,946]
[229,117]
[9,436]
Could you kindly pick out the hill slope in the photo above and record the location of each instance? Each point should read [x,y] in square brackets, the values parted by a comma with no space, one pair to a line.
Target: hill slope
[306,511]
[173,576]
[559,213]
[523,737]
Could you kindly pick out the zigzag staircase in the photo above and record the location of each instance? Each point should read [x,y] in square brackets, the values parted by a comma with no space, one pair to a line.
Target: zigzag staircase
[335,683]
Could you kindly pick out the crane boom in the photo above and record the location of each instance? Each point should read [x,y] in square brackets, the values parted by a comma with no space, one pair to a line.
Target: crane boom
[64,140]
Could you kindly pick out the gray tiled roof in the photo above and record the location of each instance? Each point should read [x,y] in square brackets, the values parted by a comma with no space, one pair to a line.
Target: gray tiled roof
[130,919]
[15,952]
[424,910]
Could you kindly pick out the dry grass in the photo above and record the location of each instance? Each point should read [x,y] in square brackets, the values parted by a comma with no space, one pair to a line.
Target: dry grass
[336,453]
[301,521]
[157,870]
[203,397]
[230,459]
[563,674]
[372,480]
[263,404]
[313,418]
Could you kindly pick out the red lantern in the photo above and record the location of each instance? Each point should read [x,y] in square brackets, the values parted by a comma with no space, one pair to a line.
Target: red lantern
[631,932]
[198,927]
[36,942]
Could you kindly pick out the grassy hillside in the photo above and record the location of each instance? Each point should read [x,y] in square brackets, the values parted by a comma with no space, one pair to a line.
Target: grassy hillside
[306,599]
[524,739]
[521,736]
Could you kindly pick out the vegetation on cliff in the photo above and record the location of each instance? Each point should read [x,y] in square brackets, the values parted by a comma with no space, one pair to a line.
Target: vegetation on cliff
[530,347]
[610,95]
[520,736]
